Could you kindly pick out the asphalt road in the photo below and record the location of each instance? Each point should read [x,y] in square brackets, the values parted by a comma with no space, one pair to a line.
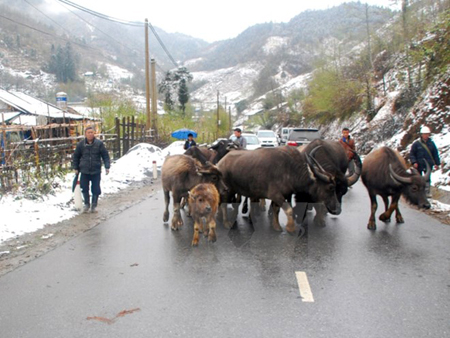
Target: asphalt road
[132,276]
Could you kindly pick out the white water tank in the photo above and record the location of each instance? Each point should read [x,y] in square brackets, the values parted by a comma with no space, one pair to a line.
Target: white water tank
[61,100]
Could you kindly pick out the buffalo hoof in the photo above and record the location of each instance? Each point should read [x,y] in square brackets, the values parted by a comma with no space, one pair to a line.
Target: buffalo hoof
[399,219]
[227,225]
[320,222]
[277,227]
[166,217]
[372,225]
[212,236]
[384,218]
[195,243]
[290,229]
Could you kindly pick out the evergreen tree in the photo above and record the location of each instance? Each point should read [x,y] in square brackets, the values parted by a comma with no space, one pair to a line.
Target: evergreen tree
[63,63]
[183,94]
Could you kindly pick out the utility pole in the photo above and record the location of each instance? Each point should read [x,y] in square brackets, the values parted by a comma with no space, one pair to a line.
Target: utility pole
[225,106]
[229,118]
[154,99]
[218,119]
[147,77]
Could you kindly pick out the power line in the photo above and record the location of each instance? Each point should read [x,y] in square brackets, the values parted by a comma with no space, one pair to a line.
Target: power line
[47,16]
[103,16]
[162,45]
[46,33]
[80,17]
[124,22]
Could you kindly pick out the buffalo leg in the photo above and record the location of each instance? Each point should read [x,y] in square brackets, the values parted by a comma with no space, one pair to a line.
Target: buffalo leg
[290,226]
[212,230]
[177,221]
[386,216]
[398,215]
[245,206]
[262,204]
[321,212]
[167,202]
[183,203]
[196,232]
[374,205]
[275,220]
[386,203]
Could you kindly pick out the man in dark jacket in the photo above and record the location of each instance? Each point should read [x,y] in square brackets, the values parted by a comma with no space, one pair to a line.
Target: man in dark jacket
[424,150]
[87,159]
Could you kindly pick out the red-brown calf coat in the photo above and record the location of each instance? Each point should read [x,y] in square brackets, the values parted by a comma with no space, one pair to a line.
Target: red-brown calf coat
[203,204]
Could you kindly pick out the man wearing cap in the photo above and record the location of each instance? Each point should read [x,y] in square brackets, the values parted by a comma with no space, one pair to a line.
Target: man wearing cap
[424,150]
[87,159]
[190,142]
[240,140]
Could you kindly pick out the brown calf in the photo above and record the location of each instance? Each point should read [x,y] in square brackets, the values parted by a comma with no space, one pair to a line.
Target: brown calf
[203,205]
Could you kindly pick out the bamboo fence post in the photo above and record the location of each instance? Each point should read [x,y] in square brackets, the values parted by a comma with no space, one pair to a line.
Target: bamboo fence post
[132,132]
[118,137]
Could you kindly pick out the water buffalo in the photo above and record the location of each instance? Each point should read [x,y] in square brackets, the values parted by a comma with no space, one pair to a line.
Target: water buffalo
[212,154]
[277,174]
[180,173]
[203,206]
[385,173]
[332,157]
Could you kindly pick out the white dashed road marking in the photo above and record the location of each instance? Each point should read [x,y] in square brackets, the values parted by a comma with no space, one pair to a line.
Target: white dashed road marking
[303,285]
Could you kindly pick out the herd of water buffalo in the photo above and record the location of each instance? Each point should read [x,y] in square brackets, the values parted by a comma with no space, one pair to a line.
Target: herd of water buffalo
[318,173]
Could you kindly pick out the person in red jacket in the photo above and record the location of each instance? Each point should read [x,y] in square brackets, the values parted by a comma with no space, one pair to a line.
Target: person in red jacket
[348,143]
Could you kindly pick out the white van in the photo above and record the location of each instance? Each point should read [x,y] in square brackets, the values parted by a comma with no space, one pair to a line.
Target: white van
[285,133]
[268,138]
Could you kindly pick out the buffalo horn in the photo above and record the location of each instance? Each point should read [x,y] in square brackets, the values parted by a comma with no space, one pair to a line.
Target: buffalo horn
[317,169]
[398,178]
[357,173]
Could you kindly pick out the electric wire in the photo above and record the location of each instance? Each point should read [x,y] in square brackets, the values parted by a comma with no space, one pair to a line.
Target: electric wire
[47,33]
[112,38]
[124,22]
[48,17]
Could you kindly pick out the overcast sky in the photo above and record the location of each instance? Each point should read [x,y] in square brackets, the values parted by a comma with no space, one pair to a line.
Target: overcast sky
[206,19]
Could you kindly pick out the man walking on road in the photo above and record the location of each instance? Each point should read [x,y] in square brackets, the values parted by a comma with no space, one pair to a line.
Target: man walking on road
[424,150]
[240,140]
[87,159]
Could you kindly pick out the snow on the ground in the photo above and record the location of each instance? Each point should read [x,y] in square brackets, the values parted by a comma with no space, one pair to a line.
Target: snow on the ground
[135,165]
[175,148]
[20,215]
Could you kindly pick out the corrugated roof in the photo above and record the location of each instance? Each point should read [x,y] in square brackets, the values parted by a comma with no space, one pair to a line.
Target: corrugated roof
[27,104]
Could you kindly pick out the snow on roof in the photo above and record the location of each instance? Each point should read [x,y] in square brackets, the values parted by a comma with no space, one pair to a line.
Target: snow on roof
[29,105]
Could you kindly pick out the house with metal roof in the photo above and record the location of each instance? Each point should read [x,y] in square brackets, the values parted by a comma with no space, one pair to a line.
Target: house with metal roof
[23,109]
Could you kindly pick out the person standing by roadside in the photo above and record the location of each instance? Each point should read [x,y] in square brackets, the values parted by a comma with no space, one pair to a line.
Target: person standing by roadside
[348,143]
[190,142]
[87,160]
[240,140]
[422,151]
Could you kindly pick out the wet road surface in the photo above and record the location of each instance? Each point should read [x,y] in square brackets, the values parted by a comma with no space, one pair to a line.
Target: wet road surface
[132,276]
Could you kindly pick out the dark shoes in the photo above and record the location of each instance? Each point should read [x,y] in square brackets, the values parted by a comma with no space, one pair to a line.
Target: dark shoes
[90,207]
[87,205]
[94,203]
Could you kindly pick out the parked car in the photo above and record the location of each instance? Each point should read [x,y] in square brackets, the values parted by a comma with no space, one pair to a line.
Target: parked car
[301,136]
[268,138]
[253,141]
[285,133]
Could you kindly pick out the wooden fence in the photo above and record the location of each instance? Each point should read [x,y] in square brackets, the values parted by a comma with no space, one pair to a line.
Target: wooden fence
[28,154]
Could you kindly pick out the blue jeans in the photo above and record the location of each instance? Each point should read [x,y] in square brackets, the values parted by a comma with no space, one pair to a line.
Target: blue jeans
[95,183]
